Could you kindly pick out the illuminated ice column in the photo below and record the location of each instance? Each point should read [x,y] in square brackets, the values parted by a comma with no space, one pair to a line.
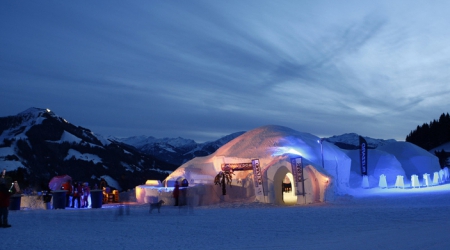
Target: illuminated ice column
[382,183]
[399,183]
[365,182]
[426,179]
[436,178]
[441,176]
[446,174]
[415,181]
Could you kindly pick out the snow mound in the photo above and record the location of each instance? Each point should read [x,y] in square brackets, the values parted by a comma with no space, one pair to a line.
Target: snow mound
[414,159]
[380,162]
[271,140]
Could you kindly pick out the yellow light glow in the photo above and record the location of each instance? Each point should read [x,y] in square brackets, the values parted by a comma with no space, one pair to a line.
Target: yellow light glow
[155,183]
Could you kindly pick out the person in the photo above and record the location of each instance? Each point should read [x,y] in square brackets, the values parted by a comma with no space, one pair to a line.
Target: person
[176,192]
[86,192]
[103,183]
[68,187]
[5,195]
[77,190]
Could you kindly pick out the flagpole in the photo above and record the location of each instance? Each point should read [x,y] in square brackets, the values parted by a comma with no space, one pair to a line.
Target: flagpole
[321,150]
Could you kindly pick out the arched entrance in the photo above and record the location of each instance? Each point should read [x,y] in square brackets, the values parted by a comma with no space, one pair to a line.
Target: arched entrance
[283,195]
[289,196]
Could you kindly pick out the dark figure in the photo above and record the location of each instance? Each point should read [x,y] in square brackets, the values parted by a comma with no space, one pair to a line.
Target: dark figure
[76,195]
[103,183]
[176,192]
[86,193]
[5,195]
[68,187]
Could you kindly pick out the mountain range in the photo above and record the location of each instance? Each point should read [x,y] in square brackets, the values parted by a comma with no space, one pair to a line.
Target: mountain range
[351,141]
[36,145]
[175,150]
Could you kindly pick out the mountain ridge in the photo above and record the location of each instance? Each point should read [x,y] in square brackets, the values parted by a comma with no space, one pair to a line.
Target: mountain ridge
[176,150]
[37,144]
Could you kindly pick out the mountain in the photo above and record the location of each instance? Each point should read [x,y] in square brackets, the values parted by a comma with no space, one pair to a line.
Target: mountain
[175,150]
[36,145]
[351,141]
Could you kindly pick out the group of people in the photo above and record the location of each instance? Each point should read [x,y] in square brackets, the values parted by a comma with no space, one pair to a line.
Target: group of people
[79,193]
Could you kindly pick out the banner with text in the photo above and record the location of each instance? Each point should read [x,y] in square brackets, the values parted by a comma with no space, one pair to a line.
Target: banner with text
[257,175]
[363,155]
[297,173]
[236,166]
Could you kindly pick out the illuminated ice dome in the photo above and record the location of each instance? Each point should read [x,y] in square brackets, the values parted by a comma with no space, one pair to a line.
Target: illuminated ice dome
[329,170]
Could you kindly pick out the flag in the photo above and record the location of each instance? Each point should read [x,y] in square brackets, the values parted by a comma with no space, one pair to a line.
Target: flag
[363,155]
[257,175]
[297,173]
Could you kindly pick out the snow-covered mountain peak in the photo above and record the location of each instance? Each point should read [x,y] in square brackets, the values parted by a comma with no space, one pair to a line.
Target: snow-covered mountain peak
[35,112]
[44,144]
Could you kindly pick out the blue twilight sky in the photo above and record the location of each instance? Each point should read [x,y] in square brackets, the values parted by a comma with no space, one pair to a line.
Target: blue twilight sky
[205,69]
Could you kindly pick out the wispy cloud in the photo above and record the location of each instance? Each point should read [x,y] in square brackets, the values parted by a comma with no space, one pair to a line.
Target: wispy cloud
[202,68]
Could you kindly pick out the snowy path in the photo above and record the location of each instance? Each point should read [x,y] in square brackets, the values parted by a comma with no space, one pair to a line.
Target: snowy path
[413,221]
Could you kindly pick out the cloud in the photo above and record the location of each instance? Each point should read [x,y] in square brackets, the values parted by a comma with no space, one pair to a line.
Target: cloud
[201,68]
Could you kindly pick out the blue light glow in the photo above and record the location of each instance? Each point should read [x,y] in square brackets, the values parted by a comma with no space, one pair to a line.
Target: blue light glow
[287,150]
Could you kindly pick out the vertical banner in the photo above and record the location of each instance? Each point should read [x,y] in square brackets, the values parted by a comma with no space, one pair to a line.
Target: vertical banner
[297,173]
[257,177]
[363,155]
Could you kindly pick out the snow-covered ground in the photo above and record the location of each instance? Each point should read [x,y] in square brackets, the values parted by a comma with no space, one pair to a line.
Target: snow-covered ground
[367,219]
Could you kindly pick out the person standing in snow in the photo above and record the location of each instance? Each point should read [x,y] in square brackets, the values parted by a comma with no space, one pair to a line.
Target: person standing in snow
[77,190]
[5,195]
[176,192]
[86,192]
[68,187]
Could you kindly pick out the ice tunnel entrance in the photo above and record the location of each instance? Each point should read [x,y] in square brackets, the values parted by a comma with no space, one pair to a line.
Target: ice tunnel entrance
[289,196]
[284,187]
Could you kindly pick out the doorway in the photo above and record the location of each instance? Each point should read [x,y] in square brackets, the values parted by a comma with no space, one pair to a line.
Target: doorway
[284,187]
[289,196]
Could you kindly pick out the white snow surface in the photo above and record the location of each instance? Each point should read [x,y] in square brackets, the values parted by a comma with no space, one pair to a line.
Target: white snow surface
[85,157]
[111,182]
[68,137]
[373,219]
[8,165]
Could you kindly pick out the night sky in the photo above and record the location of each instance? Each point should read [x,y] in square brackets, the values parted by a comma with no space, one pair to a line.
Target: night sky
[205,69]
